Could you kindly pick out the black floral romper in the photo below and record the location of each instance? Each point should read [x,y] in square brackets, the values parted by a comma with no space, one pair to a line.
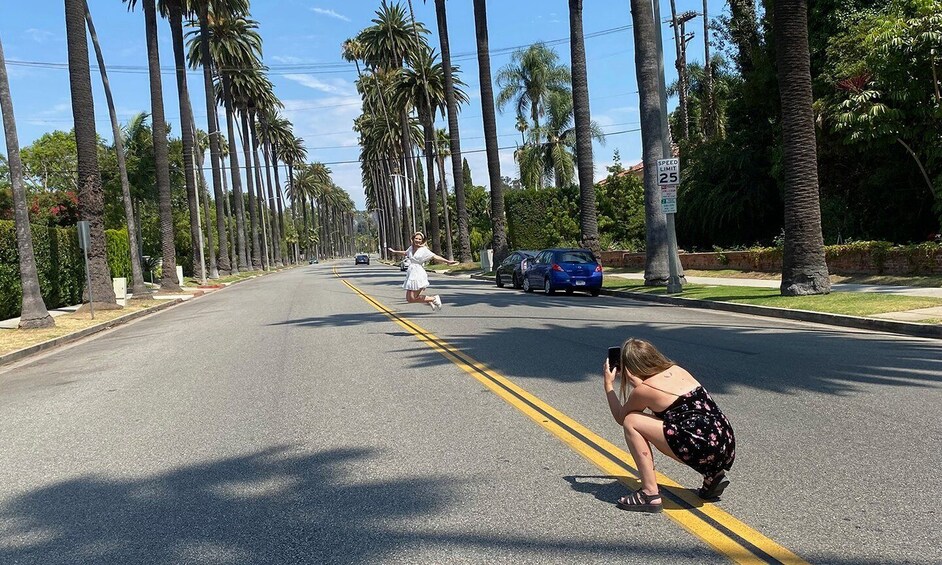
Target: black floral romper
[698,433]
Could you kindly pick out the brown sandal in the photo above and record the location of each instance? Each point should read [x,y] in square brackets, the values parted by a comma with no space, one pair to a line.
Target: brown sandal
[640,501]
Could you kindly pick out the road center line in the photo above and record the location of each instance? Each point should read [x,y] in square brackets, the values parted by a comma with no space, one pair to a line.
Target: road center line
[722,531]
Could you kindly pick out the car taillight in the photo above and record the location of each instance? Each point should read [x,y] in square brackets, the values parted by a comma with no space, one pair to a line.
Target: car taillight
[557,267]
[598,268]
[523,265]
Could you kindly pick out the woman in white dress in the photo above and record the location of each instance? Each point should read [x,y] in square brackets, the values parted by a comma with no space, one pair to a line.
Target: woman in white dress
[417,256]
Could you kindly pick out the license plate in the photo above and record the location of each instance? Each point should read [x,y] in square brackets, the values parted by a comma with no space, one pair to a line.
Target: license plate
[580,283]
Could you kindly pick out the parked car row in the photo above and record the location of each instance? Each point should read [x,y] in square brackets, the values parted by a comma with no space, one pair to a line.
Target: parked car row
[564,269]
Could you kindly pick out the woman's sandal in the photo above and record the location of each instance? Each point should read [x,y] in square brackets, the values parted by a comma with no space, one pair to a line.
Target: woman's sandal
[713,487]
[640,501]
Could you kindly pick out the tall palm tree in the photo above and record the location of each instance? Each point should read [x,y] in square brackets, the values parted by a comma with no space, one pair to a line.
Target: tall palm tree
[202,145]
[203,11]
[442,152]
[173,11]
[804,269]
[168,277]
[557,153]
[33,313]
[499,237]
[588,218]
[464,239]
[138,288]
[91,195]
[646,64]
[529,79]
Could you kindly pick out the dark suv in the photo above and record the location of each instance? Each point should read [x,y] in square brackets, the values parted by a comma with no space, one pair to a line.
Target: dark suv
[512,269]
[361,259]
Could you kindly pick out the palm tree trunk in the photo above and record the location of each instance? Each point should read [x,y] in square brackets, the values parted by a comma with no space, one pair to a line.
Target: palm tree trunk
[236,178]
[138,288]
[804,269]
[588,218]
[175,17]
[464,239]
[230,220]
[434,226]
[250,189]
[275,230]
[441,173]
[260,195]
[709,119]
[33,313]
[224,265]
[499,237]
[168,251]
[207,218]
[646,65]
[279,192]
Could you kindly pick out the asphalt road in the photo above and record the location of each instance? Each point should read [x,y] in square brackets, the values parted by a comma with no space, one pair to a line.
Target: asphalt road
[289,420]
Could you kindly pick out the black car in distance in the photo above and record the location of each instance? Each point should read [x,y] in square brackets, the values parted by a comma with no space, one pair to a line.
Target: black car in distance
[512,269]
[361,259]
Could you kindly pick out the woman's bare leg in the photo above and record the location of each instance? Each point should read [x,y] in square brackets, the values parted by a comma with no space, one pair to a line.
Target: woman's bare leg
[642,431]
[413,296]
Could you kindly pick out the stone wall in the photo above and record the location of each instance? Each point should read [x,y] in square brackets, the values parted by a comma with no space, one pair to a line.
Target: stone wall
[898,261]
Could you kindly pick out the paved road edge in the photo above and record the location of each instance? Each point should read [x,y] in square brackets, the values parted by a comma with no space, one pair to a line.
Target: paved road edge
[45,346]
[857,322]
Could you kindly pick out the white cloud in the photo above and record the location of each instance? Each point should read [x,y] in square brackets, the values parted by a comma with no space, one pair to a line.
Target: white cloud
[289,60]
[39,35]
[336,86]
[330,13]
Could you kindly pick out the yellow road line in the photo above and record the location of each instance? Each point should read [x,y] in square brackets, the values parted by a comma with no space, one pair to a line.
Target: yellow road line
[708,522]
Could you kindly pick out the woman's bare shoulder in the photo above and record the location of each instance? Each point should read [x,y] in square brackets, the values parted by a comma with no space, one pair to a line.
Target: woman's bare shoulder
[674,380]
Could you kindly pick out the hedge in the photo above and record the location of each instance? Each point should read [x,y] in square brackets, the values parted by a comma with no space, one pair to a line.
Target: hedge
[59,265]
[537,219]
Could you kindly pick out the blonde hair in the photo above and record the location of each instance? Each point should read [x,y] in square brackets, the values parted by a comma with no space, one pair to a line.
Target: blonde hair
[642,360]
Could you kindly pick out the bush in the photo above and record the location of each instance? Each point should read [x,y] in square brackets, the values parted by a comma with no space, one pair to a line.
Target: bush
[60,265]
[537,219]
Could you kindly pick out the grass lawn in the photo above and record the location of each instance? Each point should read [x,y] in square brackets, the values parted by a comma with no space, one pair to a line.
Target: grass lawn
[849,303]
[11,340]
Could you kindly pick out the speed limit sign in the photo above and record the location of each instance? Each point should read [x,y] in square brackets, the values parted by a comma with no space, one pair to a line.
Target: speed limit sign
[668,172]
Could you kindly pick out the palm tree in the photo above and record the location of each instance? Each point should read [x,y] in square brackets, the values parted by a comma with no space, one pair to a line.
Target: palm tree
[138,288]
[556,153]
[33,313]
[499,237]
[464,239]
[202,145]
[442,151]
[91,194]
[202,8]
[173,11]
[804,269]
[588,218]
[646,65]
[168,277]
[529,79]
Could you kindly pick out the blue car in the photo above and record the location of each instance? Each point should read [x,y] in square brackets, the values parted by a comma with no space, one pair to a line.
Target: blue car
[564,269]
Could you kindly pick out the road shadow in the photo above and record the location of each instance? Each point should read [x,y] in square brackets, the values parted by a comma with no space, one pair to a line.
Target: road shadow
[272,506]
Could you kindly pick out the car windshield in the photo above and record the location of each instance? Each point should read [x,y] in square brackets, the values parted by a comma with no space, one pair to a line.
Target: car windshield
[575,257]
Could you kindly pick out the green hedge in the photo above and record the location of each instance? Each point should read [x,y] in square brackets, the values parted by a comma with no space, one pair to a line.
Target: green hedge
[59,265]
[537,219]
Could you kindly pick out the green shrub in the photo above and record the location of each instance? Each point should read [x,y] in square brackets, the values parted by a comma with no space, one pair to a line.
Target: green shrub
[60,265]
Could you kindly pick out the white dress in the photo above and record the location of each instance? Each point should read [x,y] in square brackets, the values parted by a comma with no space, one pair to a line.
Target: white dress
[416,277]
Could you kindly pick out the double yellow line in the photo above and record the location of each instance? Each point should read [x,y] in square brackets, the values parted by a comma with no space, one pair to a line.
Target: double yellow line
[717,528]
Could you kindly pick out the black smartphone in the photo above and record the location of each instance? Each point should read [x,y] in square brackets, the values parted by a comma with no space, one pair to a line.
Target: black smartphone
[614,357]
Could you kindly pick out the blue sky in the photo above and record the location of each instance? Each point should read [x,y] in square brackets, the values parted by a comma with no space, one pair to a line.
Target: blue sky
[302,41]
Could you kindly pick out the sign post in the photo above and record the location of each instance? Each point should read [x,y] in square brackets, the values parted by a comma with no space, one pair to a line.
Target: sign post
[85,241]
[668,177]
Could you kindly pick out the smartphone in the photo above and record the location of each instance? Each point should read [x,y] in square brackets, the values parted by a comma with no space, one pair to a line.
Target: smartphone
[614,357]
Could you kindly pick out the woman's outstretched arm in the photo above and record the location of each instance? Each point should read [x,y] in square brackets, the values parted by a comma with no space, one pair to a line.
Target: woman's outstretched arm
[395,252]
[441,259]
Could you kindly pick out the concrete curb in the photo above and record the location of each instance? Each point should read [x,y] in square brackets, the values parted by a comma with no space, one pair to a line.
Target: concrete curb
[872,324]
[20,354]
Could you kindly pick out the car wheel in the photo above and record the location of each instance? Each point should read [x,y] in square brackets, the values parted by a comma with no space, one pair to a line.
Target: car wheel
[595,291]
[547,287]
[500,283]
[526,285]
